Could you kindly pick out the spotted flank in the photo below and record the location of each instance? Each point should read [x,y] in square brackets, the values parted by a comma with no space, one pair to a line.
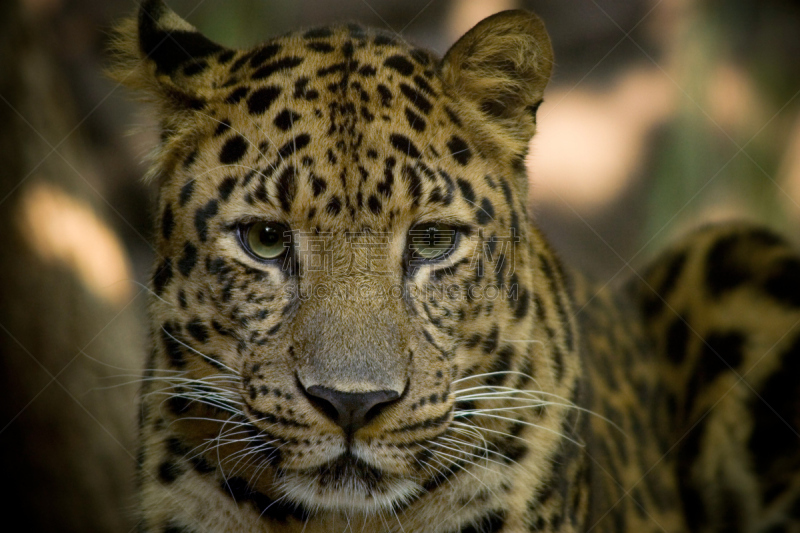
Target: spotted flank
[356,326]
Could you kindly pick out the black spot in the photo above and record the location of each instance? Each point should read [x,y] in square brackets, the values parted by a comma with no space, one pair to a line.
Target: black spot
[454,118]
[285,63]
[262,99]
[233,150]
[514,223]
[459,150]
[301,90]
[490,344]
[374,204]
[334,206]
[241,61]
[558,362]
[264,54]
[320,46]
[466,190]
[783,282]
[415,121]
[486,212]
[424,85]
[201,217]
[167,222]
[385,94]
[693,502]
[721,351]
[474,340]
[286,119]
[367,71]
[236,95]
[292,146]
[518,163]
[277,510]
[286,188]
[317,33]
[416,98]
[414,184]
[197,330]
[226,187]
[383,40]
[400,64]
[500,366]
[677,341]
[172,348]
[194,68]
[168,472]
[178,403]
[654,302]
[728,259]
[190,159]
[318,185]
[162,276]
[226,56]
[189,259]
[186,192]
[222,127]
[492,522]
[404,144]
[523,301]
[506,191]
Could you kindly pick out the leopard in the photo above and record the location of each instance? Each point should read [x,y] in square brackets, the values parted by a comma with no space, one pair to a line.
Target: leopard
[357,325]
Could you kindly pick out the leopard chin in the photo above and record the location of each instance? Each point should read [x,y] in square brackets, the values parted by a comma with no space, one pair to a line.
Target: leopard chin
[348,484]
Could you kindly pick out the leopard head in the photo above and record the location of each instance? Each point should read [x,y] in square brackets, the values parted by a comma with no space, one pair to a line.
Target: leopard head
[346,268]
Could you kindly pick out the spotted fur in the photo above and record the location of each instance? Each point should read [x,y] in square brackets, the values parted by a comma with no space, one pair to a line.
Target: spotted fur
[514,395]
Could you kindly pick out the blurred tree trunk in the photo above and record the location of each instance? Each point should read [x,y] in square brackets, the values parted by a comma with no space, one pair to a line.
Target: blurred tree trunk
[67,448]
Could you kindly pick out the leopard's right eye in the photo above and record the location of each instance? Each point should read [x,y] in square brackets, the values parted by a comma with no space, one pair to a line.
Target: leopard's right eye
[265,240]
[431,242]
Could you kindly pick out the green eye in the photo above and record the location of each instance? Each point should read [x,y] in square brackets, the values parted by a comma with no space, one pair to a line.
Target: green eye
[431,241]
[266,240]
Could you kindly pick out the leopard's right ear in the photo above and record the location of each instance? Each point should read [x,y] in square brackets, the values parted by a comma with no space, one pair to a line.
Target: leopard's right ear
[164,56]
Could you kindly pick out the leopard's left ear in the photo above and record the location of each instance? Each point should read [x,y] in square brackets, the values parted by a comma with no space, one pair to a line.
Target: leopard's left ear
[164,56]
[500,69]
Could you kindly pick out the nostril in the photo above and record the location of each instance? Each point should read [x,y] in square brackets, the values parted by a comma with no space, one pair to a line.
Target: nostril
[323,405]
[350,410]
[376,410]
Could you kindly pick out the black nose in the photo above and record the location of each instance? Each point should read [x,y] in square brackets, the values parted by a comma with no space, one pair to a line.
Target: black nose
[350,410]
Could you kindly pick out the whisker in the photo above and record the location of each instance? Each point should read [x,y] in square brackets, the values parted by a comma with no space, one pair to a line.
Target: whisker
[533,403]
[209,359]
[470,454]
[525,422]
[497,373]
[507,390]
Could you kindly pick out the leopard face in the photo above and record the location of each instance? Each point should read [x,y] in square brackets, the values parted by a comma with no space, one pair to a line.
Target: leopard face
[346,261]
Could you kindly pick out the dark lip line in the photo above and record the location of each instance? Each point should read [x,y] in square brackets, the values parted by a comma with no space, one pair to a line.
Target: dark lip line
[344,460]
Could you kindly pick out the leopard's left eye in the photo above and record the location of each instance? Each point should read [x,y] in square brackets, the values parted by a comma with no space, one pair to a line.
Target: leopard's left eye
[265,240]
[430,242]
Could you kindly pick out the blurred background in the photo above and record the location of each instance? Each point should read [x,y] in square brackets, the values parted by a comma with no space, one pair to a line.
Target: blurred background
[662,115]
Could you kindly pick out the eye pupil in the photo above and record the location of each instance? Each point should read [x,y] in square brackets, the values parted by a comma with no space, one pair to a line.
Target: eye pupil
[268,237]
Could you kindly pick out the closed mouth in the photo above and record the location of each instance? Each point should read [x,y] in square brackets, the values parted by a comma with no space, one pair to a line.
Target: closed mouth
[347,472]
